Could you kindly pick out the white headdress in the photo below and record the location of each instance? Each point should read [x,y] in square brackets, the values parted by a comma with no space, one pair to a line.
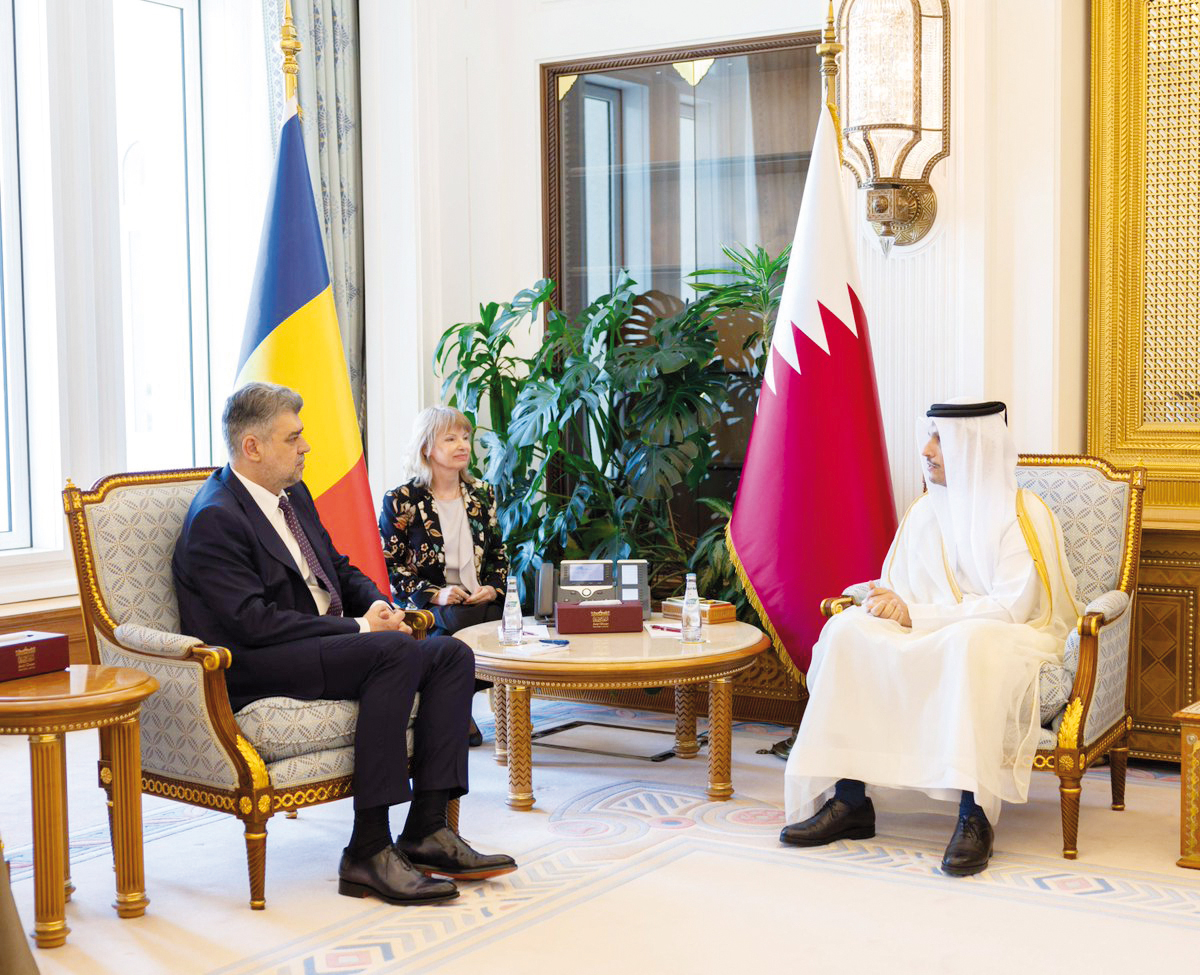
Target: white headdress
[977,505]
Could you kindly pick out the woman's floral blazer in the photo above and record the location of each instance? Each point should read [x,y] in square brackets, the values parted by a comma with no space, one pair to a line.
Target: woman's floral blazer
[415,550]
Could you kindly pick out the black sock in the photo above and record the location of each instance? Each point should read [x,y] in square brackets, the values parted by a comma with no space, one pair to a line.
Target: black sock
[372,832]
[967,806]
[852,792]
[426,814]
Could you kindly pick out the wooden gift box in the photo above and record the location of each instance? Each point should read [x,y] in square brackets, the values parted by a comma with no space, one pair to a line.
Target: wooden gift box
[711,610]
[611,618]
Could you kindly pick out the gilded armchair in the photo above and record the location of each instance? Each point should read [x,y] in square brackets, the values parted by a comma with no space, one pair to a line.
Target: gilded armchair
[1084,711]
[276,754]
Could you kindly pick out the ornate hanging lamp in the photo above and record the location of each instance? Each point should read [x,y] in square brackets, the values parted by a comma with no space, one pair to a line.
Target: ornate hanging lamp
[895,107]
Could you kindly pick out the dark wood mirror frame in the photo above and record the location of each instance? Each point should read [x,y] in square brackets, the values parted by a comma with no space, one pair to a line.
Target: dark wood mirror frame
[551,135]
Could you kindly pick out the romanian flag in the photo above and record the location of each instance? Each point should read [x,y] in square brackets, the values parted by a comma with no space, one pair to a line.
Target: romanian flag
[814,510]
[292,339]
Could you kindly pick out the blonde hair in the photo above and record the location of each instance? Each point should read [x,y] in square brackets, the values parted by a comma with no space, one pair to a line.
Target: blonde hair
[430,424]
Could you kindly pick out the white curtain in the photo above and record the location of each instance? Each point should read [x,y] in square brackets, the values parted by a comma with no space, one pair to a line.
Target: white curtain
[329,106]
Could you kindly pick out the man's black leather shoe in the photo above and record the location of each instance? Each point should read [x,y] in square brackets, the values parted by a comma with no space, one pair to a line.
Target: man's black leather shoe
[390,877]
[474,735]
[444,852]
[836,820]
[970,847]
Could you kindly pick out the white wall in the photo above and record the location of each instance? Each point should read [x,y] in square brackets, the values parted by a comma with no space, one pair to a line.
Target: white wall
[992,303]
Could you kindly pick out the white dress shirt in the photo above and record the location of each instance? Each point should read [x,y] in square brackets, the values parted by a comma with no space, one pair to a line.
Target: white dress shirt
[269,503]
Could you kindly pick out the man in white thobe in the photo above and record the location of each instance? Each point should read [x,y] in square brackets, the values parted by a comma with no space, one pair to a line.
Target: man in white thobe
[932,684]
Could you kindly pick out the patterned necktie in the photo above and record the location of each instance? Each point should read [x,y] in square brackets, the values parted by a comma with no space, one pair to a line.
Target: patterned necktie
[306,549]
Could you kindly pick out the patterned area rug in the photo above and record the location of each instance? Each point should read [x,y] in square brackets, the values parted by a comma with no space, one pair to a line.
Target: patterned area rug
[627,865]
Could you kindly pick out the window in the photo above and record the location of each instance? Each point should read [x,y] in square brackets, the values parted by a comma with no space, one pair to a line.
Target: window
[601,187]
[14,437]
[161,191]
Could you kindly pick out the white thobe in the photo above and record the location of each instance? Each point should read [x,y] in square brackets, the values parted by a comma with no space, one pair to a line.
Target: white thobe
[952,703]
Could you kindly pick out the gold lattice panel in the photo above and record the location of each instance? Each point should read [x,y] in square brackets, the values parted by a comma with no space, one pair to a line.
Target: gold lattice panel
[1144,330]
[1171,351]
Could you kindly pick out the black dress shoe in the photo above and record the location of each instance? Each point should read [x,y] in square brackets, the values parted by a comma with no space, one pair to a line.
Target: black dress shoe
[474,735]
[444,852]
[836,820]
[390,877]
[970,847]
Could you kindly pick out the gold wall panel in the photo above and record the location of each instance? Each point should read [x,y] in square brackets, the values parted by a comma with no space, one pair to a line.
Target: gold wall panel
[1144,349]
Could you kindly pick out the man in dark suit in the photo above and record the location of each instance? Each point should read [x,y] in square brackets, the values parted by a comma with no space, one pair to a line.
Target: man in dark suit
[256,572]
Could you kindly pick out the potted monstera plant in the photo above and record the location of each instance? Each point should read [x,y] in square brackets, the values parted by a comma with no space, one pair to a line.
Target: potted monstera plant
[588,438]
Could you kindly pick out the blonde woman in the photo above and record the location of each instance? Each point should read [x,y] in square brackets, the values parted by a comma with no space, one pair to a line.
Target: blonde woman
[440,536]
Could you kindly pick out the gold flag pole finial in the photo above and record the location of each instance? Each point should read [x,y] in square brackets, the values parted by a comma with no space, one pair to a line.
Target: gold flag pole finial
[827,51]
[289,43]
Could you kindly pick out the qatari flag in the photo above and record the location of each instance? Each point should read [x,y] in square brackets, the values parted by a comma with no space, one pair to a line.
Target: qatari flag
[814,510]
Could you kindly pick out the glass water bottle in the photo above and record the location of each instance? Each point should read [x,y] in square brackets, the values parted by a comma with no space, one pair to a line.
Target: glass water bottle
[510,623]
[690,631]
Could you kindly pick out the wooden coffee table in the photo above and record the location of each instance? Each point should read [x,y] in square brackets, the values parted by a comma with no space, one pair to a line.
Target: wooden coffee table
[612,661]
[44,708]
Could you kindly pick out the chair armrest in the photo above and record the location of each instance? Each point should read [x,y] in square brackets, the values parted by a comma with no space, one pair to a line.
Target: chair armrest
[188,732]
[857,592]
[421,621]
[1097,653]
[160,643]
[1103,610]
[851,596]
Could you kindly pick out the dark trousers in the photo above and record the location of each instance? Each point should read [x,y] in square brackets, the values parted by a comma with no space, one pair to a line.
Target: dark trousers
[383,671]
[451,619]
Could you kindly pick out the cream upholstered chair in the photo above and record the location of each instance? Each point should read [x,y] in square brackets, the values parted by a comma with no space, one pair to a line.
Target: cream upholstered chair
[1084,709]
[275,754]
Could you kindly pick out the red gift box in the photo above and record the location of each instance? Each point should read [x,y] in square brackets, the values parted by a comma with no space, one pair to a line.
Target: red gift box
[29,653]
[610,618]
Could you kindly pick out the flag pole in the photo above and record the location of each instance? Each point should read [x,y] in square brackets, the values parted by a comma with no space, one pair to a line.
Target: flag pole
[827,51]
[289,43]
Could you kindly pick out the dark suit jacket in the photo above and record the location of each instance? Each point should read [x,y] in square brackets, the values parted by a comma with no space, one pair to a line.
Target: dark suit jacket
[238,587]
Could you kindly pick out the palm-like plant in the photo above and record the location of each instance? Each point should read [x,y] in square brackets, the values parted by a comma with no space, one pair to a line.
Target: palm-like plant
[588,439]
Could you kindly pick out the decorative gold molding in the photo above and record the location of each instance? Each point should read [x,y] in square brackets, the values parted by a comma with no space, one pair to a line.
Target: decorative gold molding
[50,728]
[1143,236]
[1068,731]
[258,770]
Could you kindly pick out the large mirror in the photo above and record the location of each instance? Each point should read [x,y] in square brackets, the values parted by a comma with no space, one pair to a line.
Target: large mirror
[656,163]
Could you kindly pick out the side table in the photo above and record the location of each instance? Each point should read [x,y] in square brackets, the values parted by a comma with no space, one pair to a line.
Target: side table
[45,707]
[1189,786]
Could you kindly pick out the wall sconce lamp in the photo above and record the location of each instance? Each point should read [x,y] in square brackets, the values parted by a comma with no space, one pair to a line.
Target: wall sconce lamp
[895,108]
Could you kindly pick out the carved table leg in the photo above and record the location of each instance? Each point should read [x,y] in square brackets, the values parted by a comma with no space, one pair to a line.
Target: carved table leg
[500,710]
[127,819]
[1189,797]
[686,745]
[720,730]
[49,854]
[68,887]
[520,761]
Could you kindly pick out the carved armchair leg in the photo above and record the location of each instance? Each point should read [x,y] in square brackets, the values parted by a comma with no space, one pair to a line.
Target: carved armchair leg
[1068,789]
[452,814]
[256,862]
[1117,759]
